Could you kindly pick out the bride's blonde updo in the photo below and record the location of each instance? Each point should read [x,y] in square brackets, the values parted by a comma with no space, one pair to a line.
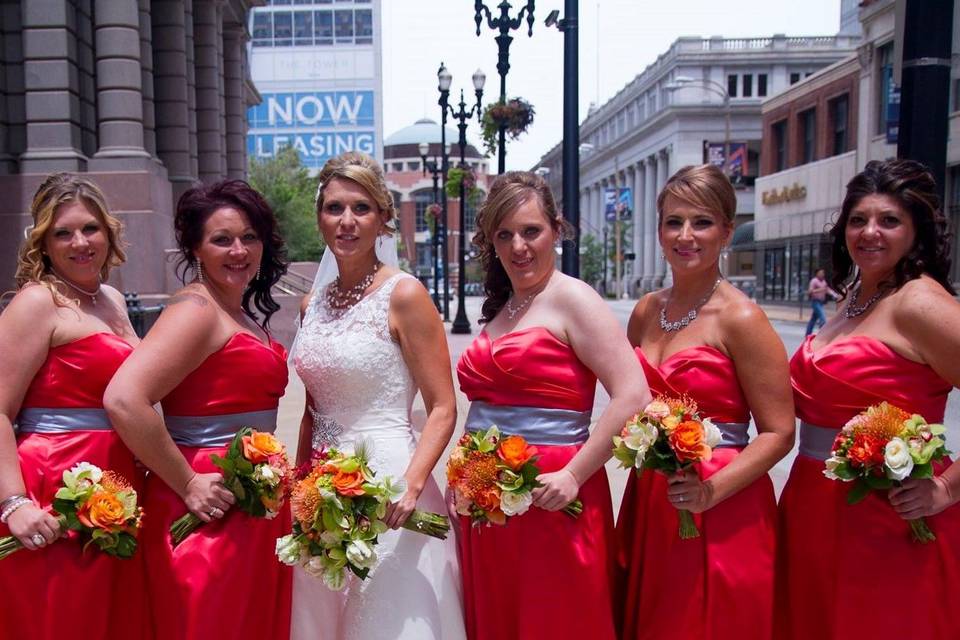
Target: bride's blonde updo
[364,170]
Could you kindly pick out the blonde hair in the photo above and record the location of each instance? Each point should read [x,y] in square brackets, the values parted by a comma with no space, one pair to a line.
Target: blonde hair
[703,186]
[364,170]
[57,190]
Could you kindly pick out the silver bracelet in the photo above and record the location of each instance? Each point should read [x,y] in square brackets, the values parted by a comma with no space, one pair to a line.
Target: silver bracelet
[10,500]
[13,506]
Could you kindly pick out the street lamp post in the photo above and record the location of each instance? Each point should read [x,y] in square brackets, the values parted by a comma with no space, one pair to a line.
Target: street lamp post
[462,115]
[504,24]
[439,225]
[444,78]
[717,89]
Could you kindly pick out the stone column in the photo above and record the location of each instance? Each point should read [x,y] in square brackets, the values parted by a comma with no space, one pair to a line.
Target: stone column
[235,109]
[191,85]
[170,101]
[146,79]
[11,86]
[51,84]
[119,79]
[209,151]
[87,72]
[663,165]
[651,249]
[636,172]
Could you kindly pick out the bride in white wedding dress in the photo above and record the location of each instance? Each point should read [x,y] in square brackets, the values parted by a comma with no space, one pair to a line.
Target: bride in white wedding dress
[370,338]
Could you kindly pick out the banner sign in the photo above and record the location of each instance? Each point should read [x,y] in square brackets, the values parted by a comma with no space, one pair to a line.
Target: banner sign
[614,201]
[738,166]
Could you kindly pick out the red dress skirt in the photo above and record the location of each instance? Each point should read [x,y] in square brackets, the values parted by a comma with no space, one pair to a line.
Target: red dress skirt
[61,591]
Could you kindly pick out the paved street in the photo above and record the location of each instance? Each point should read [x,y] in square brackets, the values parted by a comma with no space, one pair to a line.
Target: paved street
[791,332]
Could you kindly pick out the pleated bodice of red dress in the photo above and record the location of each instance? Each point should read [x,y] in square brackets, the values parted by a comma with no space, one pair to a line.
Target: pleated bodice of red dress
[222,581]
[843,570]
[543,574]
[61,590]
[719,585]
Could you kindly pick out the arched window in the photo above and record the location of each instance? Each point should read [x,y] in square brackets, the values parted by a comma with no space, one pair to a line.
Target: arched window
[471,210]
[422,199]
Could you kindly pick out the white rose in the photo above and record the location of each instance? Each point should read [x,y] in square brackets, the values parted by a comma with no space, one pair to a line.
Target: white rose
[361,554]
[266,474]
[314,566]
[515,503]
[831,465]
[288,550]
[640,436]
[641,455]
[897,458]
[712,435]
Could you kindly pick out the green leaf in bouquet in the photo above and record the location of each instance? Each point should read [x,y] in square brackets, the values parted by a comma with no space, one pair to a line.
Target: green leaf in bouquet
[236,445]
[921,471]
[64,505]
[858,491]
[379,526]
[877,482]
[624,456]
[65,493]
[126,546]
[357,571]
[236,488]
[844,472]
[242,466]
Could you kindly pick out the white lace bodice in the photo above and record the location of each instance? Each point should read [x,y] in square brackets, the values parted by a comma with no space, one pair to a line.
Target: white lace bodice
[352,368]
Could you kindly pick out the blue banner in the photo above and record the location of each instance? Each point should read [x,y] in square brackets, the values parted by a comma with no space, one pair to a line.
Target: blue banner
[315,148]
[313,109]
[618,199]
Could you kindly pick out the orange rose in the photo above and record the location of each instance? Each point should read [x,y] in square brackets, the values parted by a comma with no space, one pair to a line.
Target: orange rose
[488,500]
[259,446]
[515,452]
[348,484]
[102,511]
[687,442]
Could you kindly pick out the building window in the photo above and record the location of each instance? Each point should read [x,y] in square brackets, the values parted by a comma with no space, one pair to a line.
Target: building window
[282,29]
[424,259]
[888,99]
[363,21]
[262,28]
[839,123]
[323,27]
[343,25]
[470,212]
[303,28]
[422,200]
[808,135]
[762,85]
[779,130]
[747,85]
[794,78]
[732,85]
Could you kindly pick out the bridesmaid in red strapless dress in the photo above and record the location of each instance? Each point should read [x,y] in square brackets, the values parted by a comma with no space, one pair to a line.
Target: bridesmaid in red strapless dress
[727,359]
[62,338]
[852,570]
[206,361]
[533,372]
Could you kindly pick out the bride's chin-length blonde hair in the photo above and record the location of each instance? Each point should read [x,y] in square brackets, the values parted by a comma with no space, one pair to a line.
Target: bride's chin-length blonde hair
[57,190]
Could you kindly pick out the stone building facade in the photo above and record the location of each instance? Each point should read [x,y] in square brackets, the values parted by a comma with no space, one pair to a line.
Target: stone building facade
[144,97]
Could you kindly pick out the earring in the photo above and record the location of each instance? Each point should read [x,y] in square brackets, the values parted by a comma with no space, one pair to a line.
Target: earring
[380,241]
[199,268]
[257,276]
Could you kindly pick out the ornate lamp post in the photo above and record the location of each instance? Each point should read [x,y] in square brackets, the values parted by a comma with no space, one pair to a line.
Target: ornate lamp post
[439,224]
[504,24]
[460,324]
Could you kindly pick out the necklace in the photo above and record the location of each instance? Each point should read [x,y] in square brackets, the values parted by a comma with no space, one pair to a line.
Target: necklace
[339,299]
[852,310]
[512,310]
[689,317]
[90,294]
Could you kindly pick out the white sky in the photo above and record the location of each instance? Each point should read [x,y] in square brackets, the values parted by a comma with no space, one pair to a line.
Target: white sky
[419,34]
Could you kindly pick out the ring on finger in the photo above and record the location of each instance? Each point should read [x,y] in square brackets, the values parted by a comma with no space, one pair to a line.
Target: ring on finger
[681,498]
[216,512]
[37,539]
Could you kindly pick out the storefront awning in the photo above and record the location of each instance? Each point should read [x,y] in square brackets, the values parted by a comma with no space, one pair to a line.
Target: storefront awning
[742,238]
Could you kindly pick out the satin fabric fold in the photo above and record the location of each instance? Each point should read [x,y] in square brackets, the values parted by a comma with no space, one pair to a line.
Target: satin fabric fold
[224,580]
[61,590]
[851,570]
[718,586]
[544,574]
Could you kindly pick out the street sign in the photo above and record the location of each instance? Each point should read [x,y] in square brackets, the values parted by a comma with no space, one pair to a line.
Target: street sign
[618,200]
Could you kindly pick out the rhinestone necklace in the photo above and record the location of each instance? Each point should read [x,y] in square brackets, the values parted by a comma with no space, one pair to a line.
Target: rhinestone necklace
[852,310]
[90,294]
[512,310]
[340,299]
[689,317]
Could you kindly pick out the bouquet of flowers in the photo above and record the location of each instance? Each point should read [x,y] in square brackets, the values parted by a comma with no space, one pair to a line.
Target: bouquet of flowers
[338,512]
[882,446]
[100,505]
[493,476]
[669,436]
[256,470]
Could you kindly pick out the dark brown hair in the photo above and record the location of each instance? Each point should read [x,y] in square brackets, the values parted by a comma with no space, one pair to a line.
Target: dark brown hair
[508,192]
[197,205]
[912,186]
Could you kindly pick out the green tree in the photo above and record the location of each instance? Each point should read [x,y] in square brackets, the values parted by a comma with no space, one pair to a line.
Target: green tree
[591,259]
[287,186]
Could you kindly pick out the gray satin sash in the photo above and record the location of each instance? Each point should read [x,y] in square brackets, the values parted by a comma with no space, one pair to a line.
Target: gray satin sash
[217,431]
[733,434]
[62,420]
[537,425]
[816,442]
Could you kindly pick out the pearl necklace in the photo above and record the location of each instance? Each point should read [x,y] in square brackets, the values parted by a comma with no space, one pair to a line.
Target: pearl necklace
[340,300]
[852,310]
[90,294]
[689,317]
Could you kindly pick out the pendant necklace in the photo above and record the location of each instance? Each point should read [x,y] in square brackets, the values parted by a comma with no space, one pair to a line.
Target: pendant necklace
[90,294]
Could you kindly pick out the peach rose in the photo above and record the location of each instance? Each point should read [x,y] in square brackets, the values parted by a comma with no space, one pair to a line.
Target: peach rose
[348,484]
[688,442]
[102,511]
[515,452]
[259,446]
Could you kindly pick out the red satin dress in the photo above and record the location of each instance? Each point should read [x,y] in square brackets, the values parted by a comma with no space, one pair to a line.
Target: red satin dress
[223,581]
[719,585]
[61,591]
[543,574]
[848,571]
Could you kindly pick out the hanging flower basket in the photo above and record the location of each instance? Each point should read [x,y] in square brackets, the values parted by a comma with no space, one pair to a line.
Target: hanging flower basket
[516,114]
[468,177]
[433,213]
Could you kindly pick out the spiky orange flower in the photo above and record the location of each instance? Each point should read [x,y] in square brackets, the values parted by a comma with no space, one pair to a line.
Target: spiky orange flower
[479,474]
[883,421]
[305,498]
[113,482]
[684,403]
